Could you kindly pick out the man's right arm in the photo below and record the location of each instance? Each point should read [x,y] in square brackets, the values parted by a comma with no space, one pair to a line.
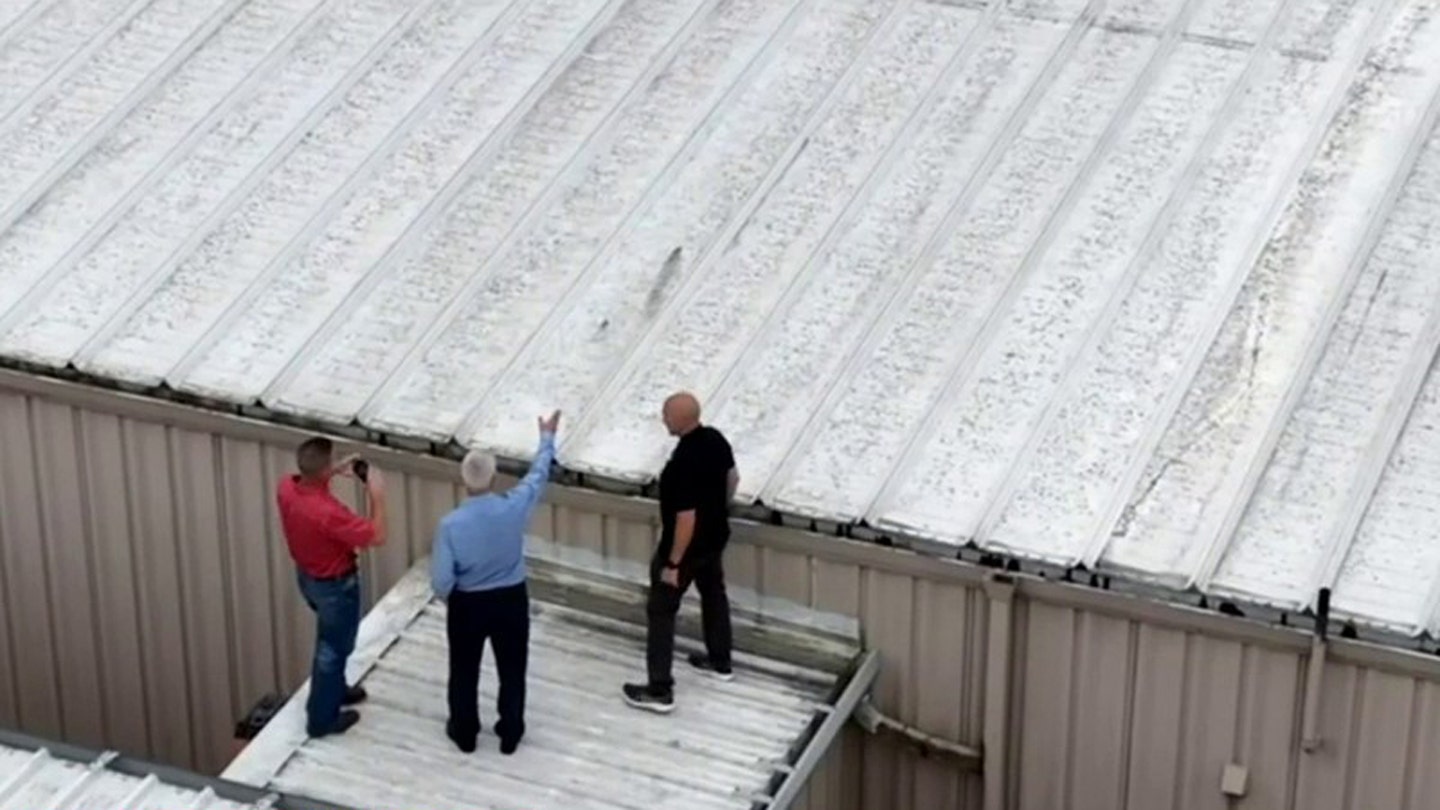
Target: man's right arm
[532,486]
[442,565]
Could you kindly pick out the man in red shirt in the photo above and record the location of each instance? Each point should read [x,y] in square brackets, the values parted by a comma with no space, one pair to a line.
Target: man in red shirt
[324,537]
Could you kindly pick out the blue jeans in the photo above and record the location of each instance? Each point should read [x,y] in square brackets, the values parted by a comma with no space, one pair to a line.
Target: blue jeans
[336,603]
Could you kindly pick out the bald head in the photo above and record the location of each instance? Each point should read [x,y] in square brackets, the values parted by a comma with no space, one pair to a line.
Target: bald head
[681,413]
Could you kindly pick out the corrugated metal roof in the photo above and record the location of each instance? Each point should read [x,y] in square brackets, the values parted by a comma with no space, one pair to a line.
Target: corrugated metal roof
[1137,285]
[728,745]
[34,773]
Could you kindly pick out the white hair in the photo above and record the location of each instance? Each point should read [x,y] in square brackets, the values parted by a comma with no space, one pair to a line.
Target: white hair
[477,470]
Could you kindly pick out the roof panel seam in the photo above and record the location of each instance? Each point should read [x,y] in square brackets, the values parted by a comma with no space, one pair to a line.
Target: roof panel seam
[438,204]
[878,326]
[631,363]
[1402,400]
[127,104]
[32,12]
[597,136]
[326,211]
[72,63]
[238,196]
[1240,489]
[1178,194]
[1144,450]
[92,236]
[969,359]
[696,139]
[841,225]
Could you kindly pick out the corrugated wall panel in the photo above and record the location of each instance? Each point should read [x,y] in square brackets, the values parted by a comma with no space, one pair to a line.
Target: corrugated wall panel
[1099,707]
[1268,717]
[887,619]
[1046,685]
[26,583]
[63,525]
[1208,730]
[246,507]
[107,513]
[1156,716]
[1422,779]
[205,592]
[1381,737]
[167,681]
[942,650]
[785,575]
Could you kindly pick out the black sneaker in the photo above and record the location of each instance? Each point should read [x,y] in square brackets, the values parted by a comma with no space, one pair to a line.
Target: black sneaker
[465,744]
[353,695]
[701,661]
[347,718]
[507,747]
[641,696]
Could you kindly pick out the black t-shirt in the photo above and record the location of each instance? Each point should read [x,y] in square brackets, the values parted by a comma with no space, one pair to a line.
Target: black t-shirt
[697,477]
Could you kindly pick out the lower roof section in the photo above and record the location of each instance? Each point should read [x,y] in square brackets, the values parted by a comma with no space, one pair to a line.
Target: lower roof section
[38,773]
[727,745]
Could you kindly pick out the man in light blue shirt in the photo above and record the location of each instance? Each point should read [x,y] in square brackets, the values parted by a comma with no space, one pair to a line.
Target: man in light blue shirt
[478,568]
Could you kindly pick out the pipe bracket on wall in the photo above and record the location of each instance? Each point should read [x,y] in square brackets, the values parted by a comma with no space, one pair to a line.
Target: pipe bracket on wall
[874,721]
[1310,739]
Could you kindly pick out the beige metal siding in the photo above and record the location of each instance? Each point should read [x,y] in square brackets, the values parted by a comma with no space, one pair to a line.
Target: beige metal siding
[148,600]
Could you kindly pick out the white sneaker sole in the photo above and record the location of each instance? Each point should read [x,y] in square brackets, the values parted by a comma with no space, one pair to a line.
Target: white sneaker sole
[649,706]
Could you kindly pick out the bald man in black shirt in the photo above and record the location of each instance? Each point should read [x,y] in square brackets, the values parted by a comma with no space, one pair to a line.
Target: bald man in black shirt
[696,488]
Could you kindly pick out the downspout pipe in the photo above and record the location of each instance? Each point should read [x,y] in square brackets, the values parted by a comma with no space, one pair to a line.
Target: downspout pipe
[1310,739]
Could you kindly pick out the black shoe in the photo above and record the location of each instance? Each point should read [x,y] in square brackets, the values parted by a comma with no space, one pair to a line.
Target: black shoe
[507,747]
[701,661]
[353,695]
[641,696]
[465,744]
[347,718]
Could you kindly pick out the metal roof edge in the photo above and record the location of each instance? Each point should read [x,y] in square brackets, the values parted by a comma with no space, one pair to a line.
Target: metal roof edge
[167,774]
[1114,592]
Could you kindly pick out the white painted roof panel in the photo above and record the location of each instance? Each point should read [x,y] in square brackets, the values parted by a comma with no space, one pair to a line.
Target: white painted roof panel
[1134,285]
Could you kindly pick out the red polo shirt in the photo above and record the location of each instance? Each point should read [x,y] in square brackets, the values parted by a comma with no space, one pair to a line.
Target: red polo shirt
[322,532]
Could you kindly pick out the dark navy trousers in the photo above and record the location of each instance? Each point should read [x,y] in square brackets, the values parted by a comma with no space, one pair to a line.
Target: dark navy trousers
[501,616]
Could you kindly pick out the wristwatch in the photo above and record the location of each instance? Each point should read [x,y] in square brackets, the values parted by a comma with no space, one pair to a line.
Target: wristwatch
[672,566]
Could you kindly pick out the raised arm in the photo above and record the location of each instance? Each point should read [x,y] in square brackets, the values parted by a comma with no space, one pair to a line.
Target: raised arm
[532,486]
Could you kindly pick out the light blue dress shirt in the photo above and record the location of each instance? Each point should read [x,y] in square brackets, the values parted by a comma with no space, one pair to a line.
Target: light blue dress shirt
[480,545]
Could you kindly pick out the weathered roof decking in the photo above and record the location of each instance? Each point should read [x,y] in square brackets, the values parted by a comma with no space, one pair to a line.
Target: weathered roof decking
[727,745]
